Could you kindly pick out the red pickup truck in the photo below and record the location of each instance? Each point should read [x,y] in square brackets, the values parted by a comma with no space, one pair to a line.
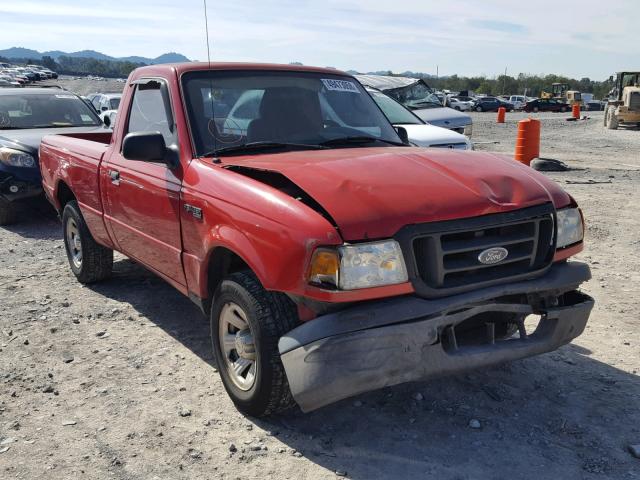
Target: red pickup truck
[331,257]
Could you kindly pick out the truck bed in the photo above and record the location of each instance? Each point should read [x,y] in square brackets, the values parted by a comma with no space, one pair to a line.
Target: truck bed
[71,162]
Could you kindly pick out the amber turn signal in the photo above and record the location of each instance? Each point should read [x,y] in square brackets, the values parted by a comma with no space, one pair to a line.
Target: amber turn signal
[325,265]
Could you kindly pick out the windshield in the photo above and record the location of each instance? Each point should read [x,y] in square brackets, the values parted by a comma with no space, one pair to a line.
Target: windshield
[300,109]
[416,96]
[396,113]
[44,111]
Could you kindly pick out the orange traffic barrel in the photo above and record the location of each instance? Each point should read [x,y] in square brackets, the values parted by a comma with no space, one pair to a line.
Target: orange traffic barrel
[528,141]
[501,113]
[575,110]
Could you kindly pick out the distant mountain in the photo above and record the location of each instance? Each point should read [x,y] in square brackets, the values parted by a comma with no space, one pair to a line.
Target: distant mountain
[19,52]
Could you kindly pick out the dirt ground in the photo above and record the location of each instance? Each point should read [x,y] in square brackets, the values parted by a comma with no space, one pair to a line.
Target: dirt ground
[116,380]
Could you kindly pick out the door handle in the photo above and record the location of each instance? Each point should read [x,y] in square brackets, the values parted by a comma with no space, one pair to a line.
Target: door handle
[115,177]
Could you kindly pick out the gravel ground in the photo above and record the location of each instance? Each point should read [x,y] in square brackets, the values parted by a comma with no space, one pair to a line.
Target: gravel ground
[117,380]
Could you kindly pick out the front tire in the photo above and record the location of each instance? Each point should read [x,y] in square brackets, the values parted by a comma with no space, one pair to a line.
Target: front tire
[8,212]
[89,261]
[478,109]
[246,323]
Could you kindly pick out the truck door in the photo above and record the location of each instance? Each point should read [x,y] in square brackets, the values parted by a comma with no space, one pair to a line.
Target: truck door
[142,198]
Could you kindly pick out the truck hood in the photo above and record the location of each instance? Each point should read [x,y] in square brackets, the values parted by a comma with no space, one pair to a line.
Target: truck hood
[444,117]
[371,193]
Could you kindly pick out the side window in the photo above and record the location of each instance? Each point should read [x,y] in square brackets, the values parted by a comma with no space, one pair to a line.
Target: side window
[148,113]
[96,102]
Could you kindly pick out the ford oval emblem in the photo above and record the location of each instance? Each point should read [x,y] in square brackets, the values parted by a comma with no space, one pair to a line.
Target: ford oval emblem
[493,255]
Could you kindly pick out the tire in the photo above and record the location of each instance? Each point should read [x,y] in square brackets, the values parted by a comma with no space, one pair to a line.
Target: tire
[8,212]
[612,120]
[563,109]
[479,109]
[261,387]
[536,109]
[89,261]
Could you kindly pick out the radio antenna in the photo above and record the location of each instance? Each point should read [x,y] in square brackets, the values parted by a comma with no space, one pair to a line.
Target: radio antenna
[211,127]
[206,28]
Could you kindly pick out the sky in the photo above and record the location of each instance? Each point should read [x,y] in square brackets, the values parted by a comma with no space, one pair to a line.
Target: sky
[463,37]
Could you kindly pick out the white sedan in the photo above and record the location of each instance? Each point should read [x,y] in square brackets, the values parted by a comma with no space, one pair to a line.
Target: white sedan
[420,133]
[459,105]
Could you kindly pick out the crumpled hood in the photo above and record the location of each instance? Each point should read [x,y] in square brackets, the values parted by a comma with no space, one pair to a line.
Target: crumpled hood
[373,192]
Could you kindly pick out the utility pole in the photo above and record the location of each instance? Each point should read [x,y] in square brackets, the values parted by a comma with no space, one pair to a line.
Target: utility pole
[504,80]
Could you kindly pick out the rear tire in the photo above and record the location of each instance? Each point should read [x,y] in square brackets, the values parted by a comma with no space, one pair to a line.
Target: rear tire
[479,109]
[8,212]
[536,109]
[246,323]
[89,261]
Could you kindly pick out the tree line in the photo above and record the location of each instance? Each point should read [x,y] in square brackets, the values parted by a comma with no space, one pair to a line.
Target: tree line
[80,66]
[531,85]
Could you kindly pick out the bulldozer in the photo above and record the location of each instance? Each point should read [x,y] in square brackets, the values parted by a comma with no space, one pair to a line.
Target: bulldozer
[560,91]
[623,102]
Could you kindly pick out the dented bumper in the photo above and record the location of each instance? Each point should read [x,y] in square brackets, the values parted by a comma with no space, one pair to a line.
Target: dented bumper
[378,344]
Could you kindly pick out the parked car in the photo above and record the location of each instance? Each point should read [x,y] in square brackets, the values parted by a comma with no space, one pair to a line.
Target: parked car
[458,104]
[546,105]
[26,115]
[518,101]
[490,104]
[420,133]
[331,258]
[106,101]
[415,93]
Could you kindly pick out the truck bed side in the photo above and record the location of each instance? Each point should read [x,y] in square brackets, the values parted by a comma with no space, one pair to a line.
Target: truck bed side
[70,165]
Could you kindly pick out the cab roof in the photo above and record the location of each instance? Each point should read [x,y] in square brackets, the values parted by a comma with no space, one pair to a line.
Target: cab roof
[180,68]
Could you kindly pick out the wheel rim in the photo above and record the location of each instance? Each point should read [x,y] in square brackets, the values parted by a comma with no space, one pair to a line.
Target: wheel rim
[237,346]
[74,243]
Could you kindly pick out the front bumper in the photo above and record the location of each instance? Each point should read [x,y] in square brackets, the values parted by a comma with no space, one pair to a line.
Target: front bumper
[384,343]
[12,188]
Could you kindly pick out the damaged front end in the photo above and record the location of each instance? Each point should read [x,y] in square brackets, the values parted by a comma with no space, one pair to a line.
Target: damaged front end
[382,343]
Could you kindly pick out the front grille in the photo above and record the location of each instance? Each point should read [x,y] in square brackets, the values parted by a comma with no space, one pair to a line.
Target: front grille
[443,257]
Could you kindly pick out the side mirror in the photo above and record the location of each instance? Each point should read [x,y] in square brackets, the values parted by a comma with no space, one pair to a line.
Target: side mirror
[404,136]
[145,147]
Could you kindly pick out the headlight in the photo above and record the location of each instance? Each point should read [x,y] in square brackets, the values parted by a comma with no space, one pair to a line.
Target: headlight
[364,265]
[570,228]
[468,130]
[16,158]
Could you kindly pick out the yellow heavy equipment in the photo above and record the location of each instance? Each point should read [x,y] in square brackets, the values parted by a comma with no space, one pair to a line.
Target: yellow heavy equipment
[623,104]
[560,91]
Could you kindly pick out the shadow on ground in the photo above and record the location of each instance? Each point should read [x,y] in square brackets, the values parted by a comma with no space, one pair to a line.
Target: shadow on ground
[543,417]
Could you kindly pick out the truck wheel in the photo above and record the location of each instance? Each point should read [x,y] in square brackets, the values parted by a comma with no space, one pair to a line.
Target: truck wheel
[246,323]
[8,213]
[612,119]
[89,261]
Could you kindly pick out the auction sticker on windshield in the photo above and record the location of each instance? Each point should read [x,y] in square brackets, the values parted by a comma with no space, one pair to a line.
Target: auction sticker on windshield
[340,85]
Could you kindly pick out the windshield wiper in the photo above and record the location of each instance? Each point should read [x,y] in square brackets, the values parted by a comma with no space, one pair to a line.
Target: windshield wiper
[356,140]
[253,146]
